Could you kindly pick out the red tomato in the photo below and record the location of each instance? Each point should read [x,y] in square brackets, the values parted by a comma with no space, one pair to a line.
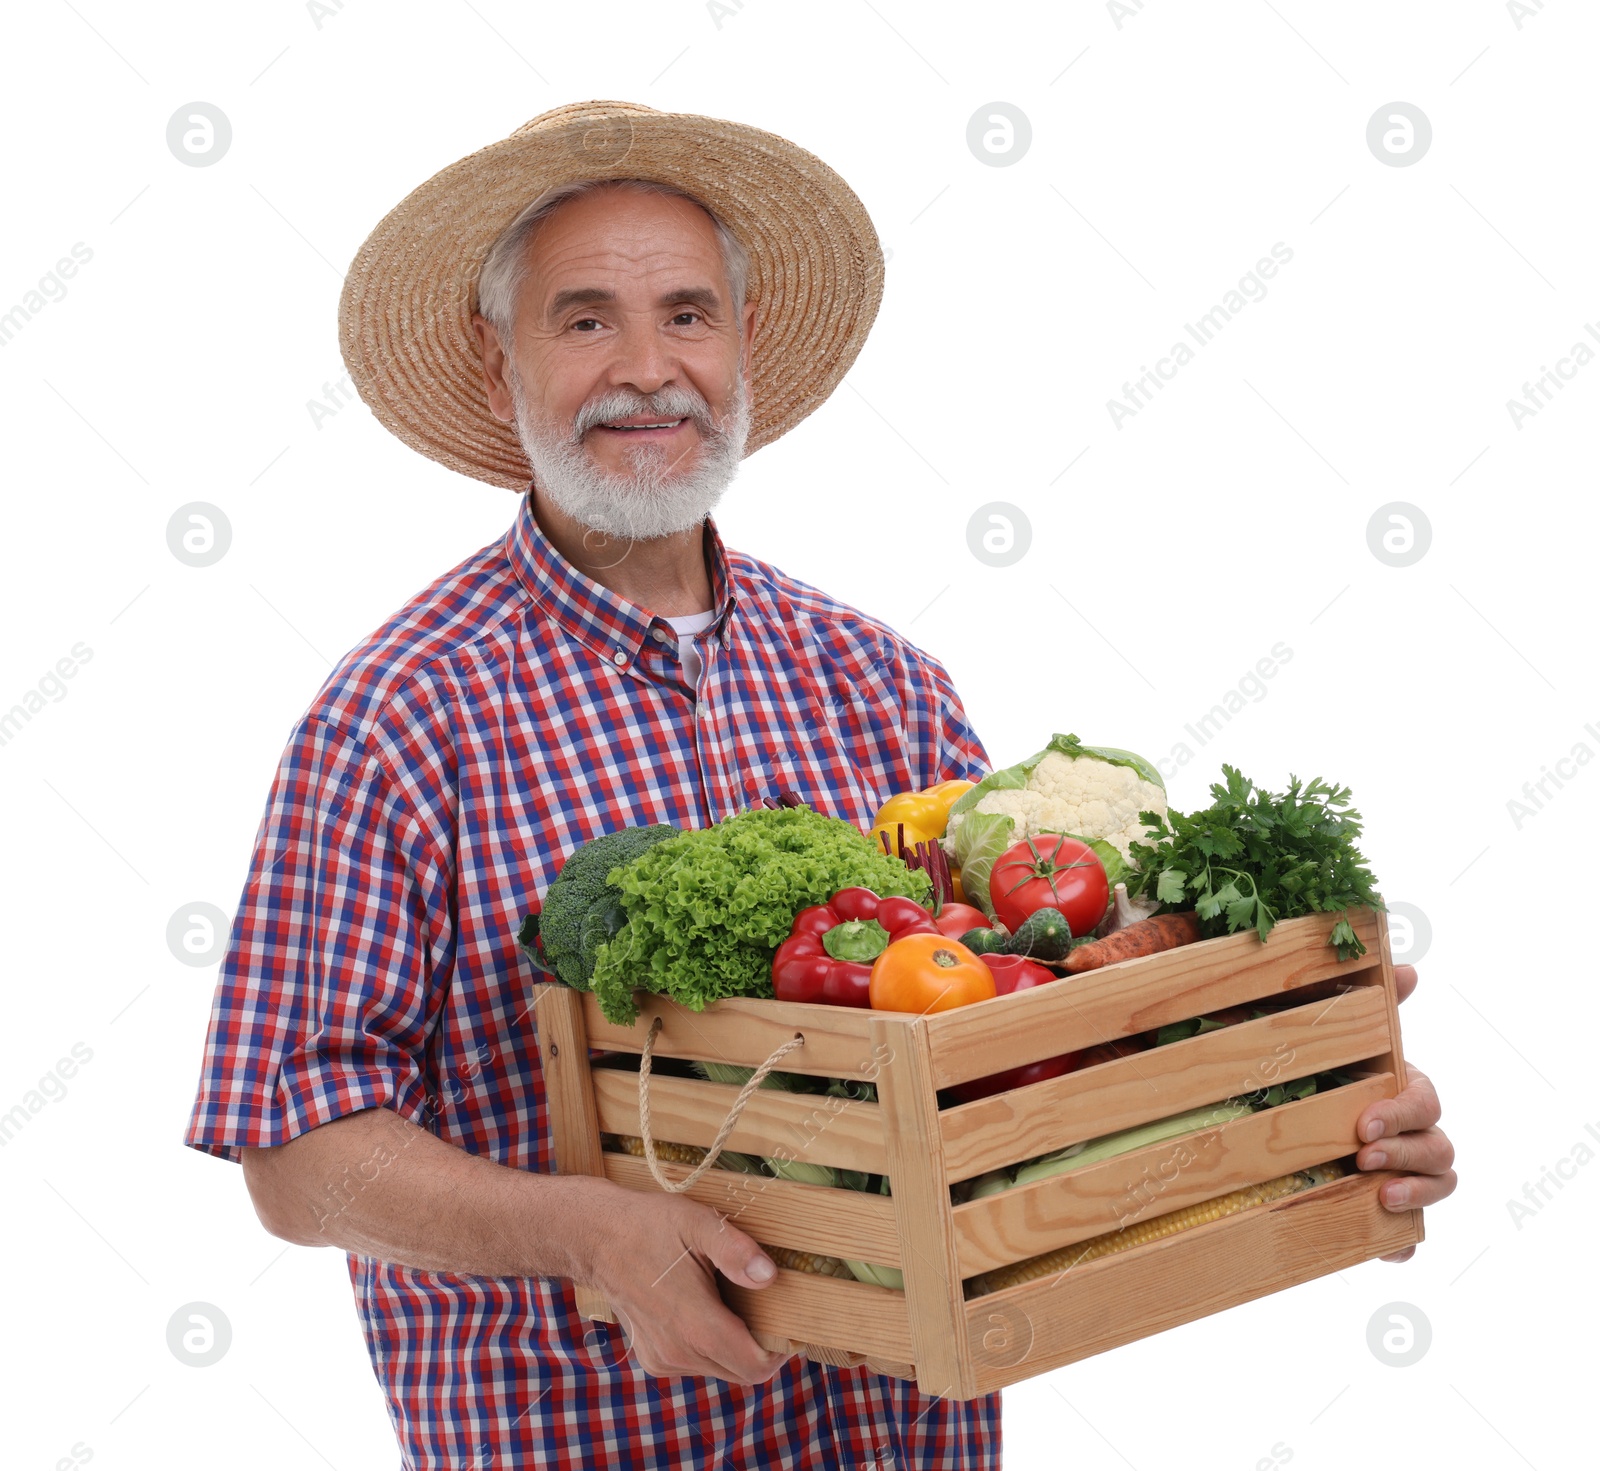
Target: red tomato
[1050,871]
[857,904]
[895,913]
[956,919]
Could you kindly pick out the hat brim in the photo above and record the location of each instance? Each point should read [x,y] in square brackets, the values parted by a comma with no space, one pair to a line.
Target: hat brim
[405,314]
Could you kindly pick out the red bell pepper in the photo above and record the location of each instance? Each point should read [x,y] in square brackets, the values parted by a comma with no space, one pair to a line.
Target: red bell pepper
[1017,973]
[829,953]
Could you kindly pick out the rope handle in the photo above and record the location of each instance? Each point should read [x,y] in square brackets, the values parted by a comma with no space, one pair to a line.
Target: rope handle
[675,1187]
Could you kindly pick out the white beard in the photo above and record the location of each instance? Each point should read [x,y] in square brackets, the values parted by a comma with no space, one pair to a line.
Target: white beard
[652,501]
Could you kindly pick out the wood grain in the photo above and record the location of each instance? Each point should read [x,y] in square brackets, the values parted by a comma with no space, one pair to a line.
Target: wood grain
[745,1031]
[1117,1299]
[842,1223]
[921,1198]
[574,1126]
[800,1308]
[1139,995]
[807,1127]
[1032,1219]
[1166,1080]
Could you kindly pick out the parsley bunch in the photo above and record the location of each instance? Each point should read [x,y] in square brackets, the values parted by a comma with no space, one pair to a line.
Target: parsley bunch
[1254,857]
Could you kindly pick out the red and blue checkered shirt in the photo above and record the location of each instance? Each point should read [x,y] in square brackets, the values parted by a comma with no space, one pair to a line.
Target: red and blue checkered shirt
[509,712]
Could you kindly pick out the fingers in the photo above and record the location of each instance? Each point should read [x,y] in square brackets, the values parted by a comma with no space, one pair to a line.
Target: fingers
[1423,1152]
[1413,1192]
[712,1343]
[738,1257]
[1402,1133]
[1416,1106]
[677,1323]
[1400,1256]
[667,1360]
[1405,982]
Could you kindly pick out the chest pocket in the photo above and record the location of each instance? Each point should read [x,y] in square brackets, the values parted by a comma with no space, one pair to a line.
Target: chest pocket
[830,756]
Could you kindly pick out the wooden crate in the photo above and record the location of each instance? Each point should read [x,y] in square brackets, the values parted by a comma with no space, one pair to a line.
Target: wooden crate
[931,1332]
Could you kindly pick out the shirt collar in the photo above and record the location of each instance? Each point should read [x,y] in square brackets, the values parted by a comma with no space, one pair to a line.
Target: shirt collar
[608,623]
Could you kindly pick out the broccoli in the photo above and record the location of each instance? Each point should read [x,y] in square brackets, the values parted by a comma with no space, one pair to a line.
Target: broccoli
[580,911]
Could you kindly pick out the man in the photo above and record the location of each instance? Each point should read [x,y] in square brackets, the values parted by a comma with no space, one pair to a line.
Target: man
[372,1059]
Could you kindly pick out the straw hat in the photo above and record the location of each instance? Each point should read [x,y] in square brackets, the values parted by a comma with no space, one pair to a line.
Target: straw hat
[405,315]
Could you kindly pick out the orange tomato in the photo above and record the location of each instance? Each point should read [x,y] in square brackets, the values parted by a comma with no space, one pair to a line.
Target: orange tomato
[924,973]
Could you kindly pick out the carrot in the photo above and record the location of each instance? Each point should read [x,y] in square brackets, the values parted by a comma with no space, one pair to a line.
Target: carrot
[1142,937]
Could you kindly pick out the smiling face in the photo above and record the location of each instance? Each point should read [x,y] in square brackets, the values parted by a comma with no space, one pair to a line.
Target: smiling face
[627,377]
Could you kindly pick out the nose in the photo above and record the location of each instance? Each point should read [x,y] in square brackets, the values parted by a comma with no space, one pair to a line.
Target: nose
[642,359]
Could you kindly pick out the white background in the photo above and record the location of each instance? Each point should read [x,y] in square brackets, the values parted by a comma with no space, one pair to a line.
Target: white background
[1169,153]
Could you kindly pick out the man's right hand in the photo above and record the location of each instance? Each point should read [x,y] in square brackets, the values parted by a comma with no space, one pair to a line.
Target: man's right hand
[377,1185]
[655,1260]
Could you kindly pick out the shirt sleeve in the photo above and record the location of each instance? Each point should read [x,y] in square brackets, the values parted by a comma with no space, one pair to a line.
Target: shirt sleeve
[958,753]
[338,959]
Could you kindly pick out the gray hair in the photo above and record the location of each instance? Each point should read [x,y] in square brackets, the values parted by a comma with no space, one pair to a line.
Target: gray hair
[505,268]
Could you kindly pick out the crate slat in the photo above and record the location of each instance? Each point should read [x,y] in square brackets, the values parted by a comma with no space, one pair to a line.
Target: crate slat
[746,1032]
[842,1223]
[928,1256]
[802,1308]
[1165,1080]
[1032,1219]
[1139,995]
[575,1133]
[1392,1061]
[812,1128]
[1024,1330]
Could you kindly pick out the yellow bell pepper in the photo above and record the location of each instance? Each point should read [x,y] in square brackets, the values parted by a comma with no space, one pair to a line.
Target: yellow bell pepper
[923,814]
[946,794]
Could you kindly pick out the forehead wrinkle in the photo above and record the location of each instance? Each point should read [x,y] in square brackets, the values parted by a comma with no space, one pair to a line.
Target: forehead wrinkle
[627,244]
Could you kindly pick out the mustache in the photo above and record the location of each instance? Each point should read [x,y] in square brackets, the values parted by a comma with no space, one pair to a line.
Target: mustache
[672,401]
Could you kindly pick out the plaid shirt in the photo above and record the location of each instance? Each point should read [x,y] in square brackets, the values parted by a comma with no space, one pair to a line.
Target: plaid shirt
[508,713]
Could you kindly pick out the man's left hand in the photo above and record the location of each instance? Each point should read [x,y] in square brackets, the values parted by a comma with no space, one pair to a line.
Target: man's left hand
[1403,1133]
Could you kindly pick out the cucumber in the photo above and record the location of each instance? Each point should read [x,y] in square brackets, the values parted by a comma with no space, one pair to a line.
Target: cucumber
[1043,935]
[981,941]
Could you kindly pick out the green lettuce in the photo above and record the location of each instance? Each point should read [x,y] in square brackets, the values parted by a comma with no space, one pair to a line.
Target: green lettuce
[706,908]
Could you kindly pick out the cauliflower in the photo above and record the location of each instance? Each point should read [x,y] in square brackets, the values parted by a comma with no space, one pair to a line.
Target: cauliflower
[1093,792]
[1079,795]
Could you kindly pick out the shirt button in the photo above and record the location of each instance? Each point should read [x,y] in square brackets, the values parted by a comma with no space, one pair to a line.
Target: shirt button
[702,710]
[619,658]
[660,635]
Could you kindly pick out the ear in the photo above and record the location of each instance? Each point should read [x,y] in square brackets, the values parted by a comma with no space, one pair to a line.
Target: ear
[747,338]
[493,355]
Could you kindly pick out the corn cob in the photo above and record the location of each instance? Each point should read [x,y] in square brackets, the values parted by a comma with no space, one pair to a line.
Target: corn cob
[1152,1230]
[680,1154]
[808,1261]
